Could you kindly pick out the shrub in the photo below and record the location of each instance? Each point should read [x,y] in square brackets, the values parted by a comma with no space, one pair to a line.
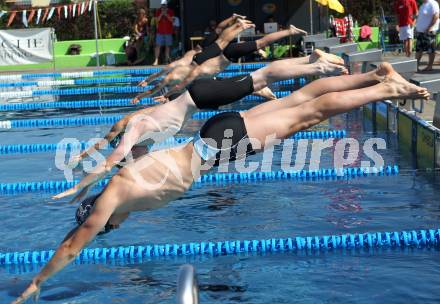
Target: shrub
[116,19]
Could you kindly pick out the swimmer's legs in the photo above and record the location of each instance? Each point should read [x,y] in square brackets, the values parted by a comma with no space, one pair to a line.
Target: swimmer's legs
[287,121]
[320,87]
[271,38]
[293,68]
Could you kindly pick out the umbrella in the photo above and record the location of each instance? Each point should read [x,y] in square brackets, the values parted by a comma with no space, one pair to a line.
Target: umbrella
[333,5]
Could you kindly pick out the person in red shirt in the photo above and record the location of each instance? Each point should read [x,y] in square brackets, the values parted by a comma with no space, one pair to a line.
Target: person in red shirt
[164,34]
[405,12]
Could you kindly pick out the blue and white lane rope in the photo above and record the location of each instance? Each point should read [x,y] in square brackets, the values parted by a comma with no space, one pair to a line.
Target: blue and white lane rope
[403,239]
[72,82]
[322,174]
[37,148]
[103,103]
[81,121]
[95,90]
[86,74]
[75,91]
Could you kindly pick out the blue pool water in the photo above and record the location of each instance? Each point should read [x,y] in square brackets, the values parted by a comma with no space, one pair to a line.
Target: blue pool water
[257,210]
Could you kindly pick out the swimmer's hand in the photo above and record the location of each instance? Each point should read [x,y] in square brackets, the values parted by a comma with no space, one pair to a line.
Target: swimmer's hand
[74,162]
[143,83]
[68,192]
[135,100]
[86,183]
[33,290]
[161,99]
[237,16]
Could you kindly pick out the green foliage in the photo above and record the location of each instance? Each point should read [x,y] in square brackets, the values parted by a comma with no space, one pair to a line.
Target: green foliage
[116,19]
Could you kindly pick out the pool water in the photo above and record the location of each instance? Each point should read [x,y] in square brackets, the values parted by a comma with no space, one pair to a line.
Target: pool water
[256,210]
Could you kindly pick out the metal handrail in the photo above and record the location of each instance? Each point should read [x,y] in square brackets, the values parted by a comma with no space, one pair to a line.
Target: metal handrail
[187,287]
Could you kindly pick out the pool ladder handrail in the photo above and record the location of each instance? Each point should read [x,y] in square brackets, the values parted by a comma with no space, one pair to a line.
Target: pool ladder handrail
[187,286]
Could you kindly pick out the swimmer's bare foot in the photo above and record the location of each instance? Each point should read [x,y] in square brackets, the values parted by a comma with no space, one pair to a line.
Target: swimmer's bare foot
[385,69]
[262,53]
[320,55]
[400,88]
[156,62]
[296,31]
[330,69]
[245,24]
[265,93]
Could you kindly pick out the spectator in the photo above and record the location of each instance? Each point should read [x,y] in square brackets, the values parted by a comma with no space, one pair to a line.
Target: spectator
[405,12]
[164,31]
[141,28]
[427,26]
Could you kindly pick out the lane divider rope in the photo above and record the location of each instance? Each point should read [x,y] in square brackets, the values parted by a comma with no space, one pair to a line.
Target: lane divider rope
[321,174]
[94,90]
[403,239]
[105,103]
[84,74]
[72,82]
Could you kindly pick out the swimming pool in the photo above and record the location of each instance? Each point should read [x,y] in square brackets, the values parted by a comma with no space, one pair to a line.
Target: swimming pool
[230,211]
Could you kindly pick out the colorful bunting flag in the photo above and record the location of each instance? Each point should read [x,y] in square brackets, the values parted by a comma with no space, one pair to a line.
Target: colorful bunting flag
[31,16]
[52,10]
[24,18]
[11,18]
[59,12]
[38,16]
[71,10]
[46,12]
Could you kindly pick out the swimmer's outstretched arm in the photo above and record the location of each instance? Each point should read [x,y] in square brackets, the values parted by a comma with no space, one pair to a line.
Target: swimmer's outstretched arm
[132,136]
[116,129]
[74,242]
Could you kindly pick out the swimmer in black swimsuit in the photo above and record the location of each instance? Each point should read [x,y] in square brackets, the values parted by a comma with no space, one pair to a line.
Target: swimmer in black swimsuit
[214,58]
[155,124]
[160,177]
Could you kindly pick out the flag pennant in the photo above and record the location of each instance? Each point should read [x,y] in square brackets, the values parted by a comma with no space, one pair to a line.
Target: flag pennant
[90,5]
[59,12]
[31,16]
[24,18]
[65,12]
[38,16]
[11,18]
[46,12]
[82,7]
[74,10]
[52,10]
